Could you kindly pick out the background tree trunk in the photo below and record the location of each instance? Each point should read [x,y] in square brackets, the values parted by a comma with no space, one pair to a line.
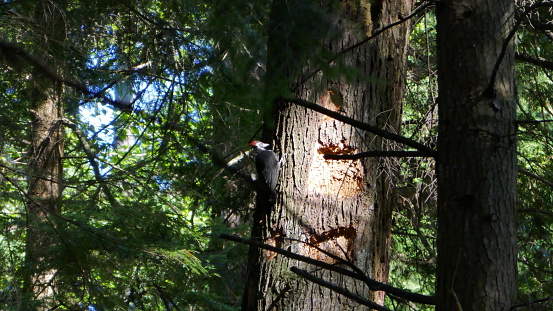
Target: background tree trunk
[342,207]
[477,157]
[45,169]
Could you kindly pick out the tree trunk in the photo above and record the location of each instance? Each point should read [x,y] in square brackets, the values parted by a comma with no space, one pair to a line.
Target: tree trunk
[477,156]
[342,207]
[44,167]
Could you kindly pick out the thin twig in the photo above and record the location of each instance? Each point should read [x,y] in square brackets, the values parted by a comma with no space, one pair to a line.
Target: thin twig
[92,160]
[508,39]
[364,41]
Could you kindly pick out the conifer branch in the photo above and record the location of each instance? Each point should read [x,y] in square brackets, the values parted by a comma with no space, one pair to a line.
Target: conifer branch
[338,289]
[375,153]
[373,284]
[427,151]
[14,53]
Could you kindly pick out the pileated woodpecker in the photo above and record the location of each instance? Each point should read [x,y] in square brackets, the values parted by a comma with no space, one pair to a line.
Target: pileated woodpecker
[267,164]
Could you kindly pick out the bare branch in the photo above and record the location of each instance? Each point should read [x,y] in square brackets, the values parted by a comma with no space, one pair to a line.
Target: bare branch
[508,39]
[531,303]
[375,153]
[535,210]
[532,121]
[534,60]
[338,289]
[535,176]
[373,284]
[381,30]
[374,35]
[427,151]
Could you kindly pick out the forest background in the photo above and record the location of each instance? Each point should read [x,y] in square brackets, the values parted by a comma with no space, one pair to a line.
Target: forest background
[124,151]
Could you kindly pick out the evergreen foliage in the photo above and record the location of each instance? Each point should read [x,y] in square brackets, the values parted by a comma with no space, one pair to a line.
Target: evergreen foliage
[149,87]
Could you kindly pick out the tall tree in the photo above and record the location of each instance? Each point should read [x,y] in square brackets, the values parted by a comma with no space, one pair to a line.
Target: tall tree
[45,168]
[477,156]
[339,207]
[126,227]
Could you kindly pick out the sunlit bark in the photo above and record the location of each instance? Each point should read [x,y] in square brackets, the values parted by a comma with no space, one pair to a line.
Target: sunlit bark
[338,206]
